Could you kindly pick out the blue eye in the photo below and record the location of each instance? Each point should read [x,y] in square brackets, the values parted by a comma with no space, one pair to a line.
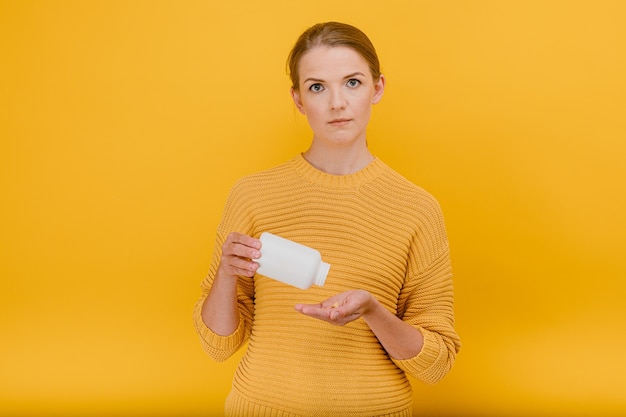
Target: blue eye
[353,82]
[316,88]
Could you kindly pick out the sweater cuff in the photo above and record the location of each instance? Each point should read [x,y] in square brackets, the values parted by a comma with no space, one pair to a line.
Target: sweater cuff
[217,346]
[421,365]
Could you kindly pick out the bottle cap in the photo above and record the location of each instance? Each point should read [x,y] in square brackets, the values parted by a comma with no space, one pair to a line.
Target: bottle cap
[322,272]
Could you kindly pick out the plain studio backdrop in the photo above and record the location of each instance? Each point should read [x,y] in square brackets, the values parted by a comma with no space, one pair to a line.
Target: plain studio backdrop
[123,124]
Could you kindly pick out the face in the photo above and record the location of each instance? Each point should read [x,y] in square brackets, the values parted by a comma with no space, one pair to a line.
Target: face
[336,94]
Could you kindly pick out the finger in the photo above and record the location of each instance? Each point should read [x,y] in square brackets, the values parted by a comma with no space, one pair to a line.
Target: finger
[242,239]
[243,267]
[248,241]
[312,310]
[238,255]
[233,265]
[241,245]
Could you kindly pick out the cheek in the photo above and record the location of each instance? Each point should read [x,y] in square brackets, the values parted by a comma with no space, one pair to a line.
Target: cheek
[365,107]
[314,121]
[313,113]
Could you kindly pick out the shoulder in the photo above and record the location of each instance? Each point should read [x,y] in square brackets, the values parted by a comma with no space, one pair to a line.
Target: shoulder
[253,193]
[419,213]
[264,185]
[413,208]
[399,190]
[264,178]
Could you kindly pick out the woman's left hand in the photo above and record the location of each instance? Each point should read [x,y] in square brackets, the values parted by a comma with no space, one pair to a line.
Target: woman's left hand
[339,309]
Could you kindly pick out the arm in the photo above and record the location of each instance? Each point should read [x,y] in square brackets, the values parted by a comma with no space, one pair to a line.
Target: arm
[423,343]
[399,339]
[220,312]
[223,314]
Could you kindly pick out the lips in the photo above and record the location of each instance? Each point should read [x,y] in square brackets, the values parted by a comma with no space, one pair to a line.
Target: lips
[339,122]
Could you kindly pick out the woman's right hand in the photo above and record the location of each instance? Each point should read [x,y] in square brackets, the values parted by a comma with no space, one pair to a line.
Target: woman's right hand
[237,253]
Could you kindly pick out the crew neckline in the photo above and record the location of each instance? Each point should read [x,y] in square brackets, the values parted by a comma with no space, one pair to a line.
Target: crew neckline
[316,176]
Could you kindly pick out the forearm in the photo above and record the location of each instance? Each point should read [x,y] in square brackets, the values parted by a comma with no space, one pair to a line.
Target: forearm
[400,340]
[219,310]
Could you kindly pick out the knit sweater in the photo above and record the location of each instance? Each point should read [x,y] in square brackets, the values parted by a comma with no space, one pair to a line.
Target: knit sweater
[380,233]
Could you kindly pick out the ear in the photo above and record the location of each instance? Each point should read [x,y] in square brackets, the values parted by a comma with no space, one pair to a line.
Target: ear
[295,95]
[379,89]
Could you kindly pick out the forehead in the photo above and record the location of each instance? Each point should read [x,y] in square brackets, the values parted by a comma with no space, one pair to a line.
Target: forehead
[323,62]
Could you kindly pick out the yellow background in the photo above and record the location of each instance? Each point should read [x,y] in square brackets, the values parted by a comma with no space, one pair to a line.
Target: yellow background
[124,123]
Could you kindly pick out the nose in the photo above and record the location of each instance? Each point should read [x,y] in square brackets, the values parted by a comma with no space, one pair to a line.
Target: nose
[337,100]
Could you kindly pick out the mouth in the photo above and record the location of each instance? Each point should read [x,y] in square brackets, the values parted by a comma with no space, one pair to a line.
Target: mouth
[339,122]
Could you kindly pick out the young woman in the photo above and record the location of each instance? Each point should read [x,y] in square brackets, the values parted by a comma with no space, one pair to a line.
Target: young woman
[386,309]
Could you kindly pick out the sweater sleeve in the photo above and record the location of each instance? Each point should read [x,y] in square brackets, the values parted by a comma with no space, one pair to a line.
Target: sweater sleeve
[427,302]
[216,346]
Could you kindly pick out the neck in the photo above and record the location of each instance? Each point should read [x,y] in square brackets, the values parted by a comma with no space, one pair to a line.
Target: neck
[338,161]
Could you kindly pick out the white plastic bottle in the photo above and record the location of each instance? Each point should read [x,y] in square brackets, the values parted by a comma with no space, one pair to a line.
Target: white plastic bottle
[291,262]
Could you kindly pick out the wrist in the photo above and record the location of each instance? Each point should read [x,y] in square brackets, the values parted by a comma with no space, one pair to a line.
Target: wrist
[371,306]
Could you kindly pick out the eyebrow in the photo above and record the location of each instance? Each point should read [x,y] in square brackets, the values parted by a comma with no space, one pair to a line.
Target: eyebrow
[318,80]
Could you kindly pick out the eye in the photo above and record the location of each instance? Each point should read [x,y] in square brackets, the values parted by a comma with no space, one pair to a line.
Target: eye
[316,88]
[353,82]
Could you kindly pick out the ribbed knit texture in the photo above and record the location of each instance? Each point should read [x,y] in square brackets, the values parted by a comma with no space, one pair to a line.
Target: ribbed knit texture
[380,233]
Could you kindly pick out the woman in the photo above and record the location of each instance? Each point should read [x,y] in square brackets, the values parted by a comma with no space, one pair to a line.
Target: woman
[386,309]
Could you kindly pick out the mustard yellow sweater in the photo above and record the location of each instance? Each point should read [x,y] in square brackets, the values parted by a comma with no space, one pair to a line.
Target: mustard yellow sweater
[380,233]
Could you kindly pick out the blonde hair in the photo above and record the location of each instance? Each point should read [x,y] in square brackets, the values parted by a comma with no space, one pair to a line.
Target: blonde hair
[332,34]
